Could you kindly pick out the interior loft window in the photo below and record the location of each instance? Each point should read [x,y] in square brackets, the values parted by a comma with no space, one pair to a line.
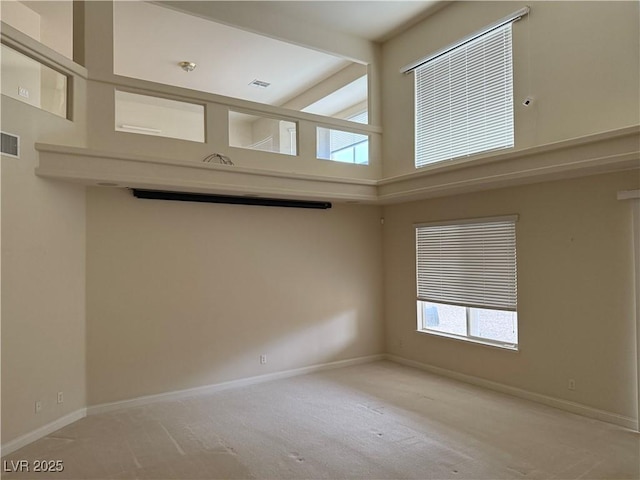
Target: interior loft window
[464,99]
[342,146]
[467,280]
[256,132]
[161,117]
[29,81]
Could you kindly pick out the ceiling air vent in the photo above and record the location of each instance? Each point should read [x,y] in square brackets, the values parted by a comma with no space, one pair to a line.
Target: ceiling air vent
[259,84]
[10,145]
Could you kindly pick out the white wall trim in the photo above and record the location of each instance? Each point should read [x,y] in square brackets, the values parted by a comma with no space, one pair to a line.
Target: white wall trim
[42,431]
[568,406]
[604,152]
[81,413]
[628,194]
[217,387]
[634,195]
[49,428]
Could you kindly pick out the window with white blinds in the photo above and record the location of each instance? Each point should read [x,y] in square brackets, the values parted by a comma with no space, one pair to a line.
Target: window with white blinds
[464,99]
[468,263]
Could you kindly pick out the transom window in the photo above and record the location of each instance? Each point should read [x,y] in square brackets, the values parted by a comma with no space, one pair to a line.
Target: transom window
[467,280]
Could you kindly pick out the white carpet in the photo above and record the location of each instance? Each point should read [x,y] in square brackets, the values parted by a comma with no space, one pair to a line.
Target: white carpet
[378,420]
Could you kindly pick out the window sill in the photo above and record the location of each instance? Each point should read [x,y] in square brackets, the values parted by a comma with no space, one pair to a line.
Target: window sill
[502,346]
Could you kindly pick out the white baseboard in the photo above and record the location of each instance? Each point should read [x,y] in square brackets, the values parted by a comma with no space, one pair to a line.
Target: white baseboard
[206,389]
[43,431]
[565,405]
[568,406]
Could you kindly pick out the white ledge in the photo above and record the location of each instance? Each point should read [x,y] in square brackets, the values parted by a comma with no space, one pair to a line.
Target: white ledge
[502,155]
[592,154]
[600,153]
[629,195]
[94,167]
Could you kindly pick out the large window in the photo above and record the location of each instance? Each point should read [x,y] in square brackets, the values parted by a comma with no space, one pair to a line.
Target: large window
[464,99]
[466,280]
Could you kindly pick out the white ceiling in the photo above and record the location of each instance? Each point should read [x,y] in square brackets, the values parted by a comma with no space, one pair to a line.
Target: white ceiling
[150,40]
[376,20]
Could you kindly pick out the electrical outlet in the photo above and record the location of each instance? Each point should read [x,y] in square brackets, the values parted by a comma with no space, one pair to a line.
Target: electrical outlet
[263,359]
[572,384]
[38,406]
[60,397]
[23,92]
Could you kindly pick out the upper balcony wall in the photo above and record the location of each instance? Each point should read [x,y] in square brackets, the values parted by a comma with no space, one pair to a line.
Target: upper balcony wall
[97,52]
[579,61]
[594,138]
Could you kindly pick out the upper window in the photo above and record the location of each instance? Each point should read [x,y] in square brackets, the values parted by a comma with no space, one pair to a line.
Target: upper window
[147,115]
[466,280]
[257,132]
[464,99]
[31,82]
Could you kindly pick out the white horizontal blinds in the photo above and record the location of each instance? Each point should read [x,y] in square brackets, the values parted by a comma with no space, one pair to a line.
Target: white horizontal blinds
[362,117]
[468,264]
[339,140]
[464,99]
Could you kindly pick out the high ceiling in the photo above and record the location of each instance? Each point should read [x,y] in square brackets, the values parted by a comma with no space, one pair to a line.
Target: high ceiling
[150,41]
[376,20]
[151,38]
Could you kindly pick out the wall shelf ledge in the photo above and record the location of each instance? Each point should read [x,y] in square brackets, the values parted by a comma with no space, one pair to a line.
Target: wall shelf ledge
[600,153]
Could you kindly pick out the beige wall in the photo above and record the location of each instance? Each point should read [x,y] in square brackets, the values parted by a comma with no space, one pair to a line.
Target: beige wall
[579,60]
[56,24]
[47,21]
[181,295]
[43,268]
[19,16]
[575,290]
[328,86]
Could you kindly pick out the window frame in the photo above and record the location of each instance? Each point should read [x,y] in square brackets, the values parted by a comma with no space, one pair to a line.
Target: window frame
[451,123]
[471,309]
[468,337]
[324,136]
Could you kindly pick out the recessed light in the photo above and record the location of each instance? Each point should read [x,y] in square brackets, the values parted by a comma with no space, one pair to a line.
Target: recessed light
[259,84]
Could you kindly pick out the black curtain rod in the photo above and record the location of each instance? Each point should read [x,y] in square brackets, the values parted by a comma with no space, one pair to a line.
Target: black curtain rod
[229,199]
